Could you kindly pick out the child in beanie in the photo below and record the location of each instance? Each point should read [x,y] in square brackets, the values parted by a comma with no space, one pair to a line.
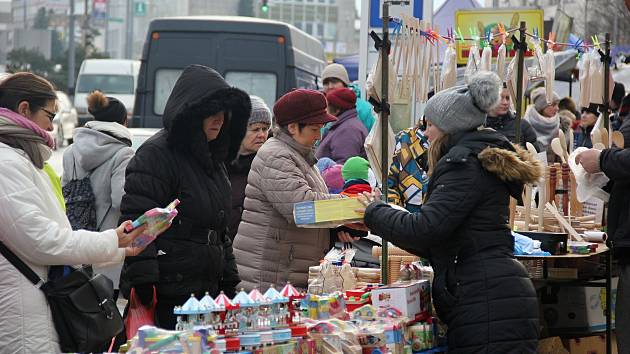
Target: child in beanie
[355,176]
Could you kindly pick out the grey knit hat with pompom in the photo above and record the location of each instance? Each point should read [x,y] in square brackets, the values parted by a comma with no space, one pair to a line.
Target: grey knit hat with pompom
[463,108]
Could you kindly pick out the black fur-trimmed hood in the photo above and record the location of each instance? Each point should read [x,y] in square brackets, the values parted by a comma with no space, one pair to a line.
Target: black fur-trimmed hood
[199,92]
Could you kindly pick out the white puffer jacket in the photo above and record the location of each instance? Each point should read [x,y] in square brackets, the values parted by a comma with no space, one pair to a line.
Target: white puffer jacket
[36,229]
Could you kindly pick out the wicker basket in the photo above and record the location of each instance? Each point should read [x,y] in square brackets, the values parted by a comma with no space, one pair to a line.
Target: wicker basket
[395,260]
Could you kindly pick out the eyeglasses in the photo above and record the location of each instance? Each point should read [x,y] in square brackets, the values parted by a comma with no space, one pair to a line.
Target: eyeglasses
[50,114]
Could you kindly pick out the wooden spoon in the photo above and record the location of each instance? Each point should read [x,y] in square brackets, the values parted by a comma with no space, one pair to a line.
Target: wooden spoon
[571,142]
[563,144]
[599,146]
[617,139]
[596,137]
[556,146]
[530,147]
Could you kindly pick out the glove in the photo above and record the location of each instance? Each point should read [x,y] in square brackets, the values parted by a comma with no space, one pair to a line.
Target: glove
[144,292]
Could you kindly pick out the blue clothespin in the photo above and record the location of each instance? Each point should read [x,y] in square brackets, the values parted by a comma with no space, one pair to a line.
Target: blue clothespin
[578,46]
[489,38]
[536,33]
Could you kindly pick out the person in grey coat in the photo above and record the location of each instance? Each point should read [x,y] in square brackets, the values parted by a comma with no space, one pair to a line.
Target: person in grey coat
[102,149]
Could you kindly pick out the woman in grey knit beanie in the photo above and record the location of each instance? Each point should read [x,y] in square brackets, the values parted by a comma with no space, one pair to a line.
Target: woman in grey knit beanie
[255,136]
[484,296]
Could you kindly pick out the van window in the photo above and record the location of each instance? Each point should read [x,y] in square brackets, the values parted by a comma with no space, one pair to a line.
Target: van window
[164,82]
[259,84]
[109,84]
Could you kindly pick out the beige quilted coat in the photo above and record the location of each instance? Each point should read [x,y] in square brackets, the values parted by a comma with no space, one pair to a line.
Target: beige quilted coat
[268,247]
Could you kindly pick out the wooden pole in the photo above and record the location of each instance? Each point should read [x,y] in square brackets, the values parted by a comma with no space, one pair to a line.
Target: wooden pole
[519,81]
[607,83]
[385,129]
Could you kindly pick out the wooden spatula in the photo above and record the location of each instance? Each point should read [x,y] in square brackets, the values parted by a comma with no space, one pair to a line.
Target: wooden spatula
[617,139]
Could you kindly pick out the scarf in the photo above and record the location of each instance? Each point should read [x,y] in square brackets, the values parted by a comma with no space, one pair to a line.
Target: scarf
[113,129]
[23,134]
[307,152]
[546,128]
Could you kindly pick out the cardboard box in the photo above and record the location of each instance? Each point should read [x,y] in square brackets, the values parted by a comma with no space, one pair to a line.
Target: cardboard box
[577,309]
[591,345]
[412,299]
[326,213]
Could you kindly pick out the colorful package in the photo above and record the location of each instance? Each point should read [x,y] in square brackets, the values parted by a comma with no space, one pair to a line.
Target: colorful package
[156,219]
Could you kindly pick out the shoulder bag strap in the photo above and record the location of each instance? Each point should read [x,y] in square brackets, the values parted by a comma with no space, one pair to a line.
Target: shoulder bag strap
[21,266]
[98,228]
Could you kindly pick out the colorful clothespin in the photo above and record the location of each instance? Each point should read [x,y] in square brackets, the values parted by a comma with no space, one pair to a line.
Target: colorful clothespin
[578,46]
[473,34]
[459,35]
[551,43]
[489,36]
[595,42]
[502,32]
[535,35]
[449,35]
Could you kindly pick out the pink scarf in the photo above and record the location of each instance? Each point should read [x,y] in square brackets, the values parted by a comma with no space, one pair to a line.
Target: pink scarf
[26,123]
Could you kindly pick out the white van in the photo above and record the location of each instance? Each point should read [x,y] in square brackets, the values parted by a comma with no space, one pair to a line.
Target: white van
[115,77]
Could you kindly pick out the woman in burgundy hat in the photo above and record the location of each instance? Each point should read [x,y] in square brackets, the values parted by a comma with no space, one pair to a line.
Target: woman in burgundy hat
[269,247]
[346,136]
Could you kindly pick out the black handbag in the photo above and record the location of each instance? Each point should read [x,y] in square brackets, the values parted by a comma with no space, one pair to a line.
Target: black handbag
[83,310]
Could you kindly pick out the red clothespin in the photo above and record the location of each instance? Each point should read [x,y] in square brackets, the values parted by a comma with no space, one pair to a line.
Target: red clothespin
[551,43]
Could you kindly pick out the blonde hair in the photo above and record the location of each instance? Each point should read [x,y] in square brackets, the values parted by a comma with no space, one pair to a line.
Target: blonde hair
[436,151]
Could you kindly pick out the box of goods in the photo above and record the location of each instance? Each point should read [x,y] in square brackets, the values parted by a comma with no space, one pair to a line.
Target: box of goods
[412,299]
[552,242]
[327,213]
[591,345]
[577,309]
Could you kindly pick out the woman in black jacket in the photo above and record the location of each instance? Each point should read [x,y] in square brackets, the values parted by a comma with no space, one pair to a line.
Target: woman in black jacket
[479,290]
[204,122]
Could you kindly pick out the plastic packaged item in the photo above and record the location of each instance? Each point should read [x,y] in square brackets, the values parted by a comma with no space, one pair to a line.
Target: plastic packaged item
[449,67]
[550,74]
[473,63]
[585,82]
[156,219]
[486,58]
[501,62]
[588,185]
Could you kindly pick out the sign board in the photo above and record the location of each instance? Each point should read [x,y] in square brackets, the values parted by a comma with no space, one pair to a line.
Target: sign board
[99,10]
[413,9]
[562,27]
[139,8]
[483,21]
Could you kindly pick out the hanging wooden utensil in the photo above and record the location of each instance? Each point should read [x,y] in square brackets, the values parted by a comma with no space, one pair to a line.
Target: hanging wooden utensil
[563,143]
[565,189]
[556,147]
[596,137]
[617,139]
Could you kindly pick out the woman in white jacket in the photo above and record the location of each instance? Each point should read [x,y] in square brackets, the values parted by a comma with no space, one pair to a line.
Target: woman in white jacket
[32,222]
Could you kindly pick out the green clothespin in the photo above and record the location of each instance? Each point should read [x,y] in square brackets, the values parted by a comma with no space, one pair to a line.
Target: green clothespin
[458,32]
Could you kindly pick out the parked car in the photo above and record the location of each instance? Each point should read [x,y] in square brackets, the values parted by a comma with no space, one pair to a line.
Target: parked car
[65,121]
[140,135]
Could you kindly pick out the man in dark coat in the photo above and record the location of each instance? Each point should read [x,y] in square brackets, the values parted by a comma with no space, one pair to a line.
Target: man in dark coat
[204,123]
[615,163]
[503,121]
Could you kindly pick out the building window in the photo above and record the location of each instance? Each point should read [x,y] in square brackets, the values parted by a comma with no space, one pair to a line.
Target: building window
[309,28]
[320,30]
[331,30]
